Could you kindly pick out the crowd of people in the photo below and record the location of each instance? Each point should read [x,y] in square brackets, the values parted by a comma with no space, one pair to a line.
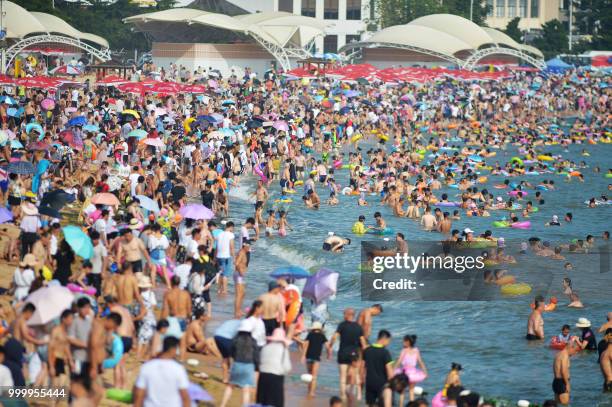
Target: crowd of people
[145,178]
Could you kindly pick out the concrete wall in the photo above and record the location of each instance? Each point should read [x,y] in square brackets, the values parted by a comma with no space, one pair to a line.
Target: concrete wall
[217,56]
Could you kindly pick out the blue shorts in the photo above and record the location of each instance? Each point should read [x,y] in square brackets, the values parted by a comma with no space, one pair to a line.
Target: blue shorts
[225,265]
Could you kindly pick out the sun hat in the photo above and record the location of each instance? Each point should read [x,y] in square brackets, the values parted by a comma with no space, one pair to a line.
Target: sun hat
[330,233]
[29,260]
[135,224]
[523,403]
[418,390]
[467,230]
[583,323]
[144,282]
[279,335]
[316,325]
[29,209]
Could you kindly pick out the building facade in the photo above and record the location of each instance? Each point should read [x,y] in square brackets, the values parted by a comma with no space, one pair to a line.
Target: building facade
[533,13]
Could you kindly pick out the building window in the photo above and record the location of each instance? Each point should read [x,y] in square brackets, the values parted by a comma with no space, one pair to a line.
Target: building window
[330,43]
[511,8]
[522,8]
[309,8]
[353,9]
[330,10]
[285,5]
[352,38]
[535,8]
[500,8]
[490,8]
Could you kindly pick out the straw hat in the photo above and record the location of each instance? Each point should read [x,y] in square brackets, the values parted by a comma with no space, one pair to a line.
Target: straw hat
[143,281]
[135,224]
[29,209]
[29,260]
[583,323]
[316,325]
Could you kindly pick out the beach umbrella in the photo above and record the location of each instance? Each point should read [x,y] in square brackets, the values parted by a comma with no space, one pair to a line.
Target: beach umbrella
[155,142]
[114,183]
[56,199]
[16,145]
[91,128]
[218,118]
[12,112]
[322,285]
[138,133]
[34,126]
[111,80]
[281,125]
[212,83]
[5,215]
[148,203]
[66,135]
[37,146]
[50,302]
[294,272]
[105,198]
[196,211]
[206,117]
[345,110]
[77,121]
[228,102]
[8,100]
[194,89]
[20,168]
[351,93]
[71,109]
[254,124]
[79,241]
[131,113]
[6,80]
[47,104]
[137,88]
[49,211]
[197,393]
[362,81]
[160,111]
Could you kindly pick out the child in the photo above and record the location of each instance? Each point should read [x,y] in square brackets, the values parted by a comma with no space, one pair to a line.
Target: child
[270,221]
[283,225]
[311,354]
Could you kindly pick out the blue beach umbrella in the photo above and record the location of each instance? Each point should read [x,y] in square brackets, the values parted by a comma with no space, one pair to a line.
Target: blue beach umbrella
[16,144]
[138,133]
[294,272]
[77,121]
[78,241]
[228,102]
[34,126]
[20,168]
[92,128]
[8,100]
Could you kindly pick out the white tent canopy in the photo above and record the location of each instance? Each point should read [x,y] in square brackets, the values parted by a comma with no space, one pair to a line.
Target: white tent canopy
[20,23]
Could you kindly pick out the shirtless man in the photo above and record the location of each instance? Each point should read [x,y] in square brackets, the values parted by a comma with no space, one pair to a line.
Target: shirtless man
[60,357]
[380,222]
[285,176]
[605,362]
[365,318]
[535,325]
[402,244]
[241,265]
[22,332]
[428,221]
[445,224]
[132,250]
[561,371]
[312,200]
[128,294]
[177,303]
[126,331]
[273,307]
[195,339]
[607,325]
[261,194]
[335,244]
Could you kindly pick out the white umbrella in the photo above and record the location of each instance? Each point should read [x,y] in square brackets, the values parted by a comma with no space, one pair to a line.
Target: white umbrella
[148,203]
[50,302]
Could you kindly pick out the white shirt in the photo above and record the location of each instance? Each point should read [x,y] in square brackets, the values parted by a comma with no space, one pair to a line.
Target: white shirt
[183,272]
[100,226]
[133,182]
[99,253]
[162,379]
[223,244]
[6,378]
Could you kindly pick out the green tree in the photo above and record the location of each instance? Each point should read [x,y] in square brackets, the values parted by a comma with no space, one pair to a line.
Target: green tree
[395,12]
[513,30]
[553,39]
[462,8]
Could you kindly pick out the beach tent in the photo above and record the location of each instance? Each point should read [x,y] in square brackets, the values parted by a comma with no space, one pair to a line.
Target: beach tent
[557,65]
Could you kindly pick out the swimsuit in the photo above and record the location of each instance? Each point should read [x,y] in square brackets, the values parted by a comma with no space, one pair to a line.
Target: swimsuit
[558,386]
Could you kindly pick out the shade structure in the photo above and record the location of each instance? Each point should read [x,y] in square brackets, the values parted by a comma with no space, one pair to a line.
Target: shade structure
[79,241]
[148,203]
[196,211]
[50,302]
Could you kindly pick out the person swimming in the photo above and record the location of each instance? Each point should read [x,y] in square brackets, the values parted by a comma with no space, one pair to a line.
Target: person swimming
[359,227]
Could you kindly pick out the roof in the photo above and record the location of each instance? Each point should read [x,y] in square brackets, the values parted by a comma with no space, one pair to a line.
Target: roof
[20,23]
[445,34]
[279,28]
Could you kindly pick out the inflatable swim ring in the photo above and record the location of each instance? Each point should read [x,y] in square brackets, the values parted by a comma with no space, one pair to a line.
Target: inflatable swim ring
[287,200]
[515,289]
[75,288]
[608,175]
[501,224]
[483,180]
[516,160]
[356,137]
[515,193]
[298,183]
[447,204]
[123,396]
[545,158]
[385,231]
[521,225]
